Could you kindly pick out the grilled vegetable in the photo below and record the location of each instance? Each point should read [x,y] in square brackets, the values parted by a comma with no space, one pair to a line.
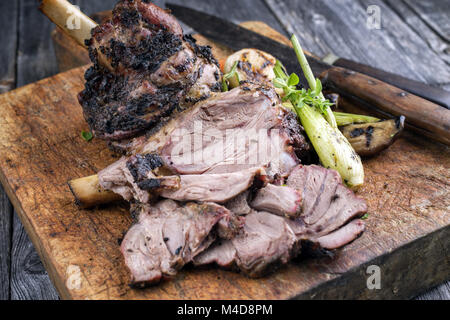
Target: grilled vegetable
[314,111]
[252,64]
[369,139]
[230,76]
[343,119]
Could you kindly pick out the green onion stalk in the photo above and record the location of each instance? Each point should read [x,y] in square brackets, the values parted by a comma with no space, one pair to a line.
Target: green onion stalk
[311,80]
[226,77]
[333,149]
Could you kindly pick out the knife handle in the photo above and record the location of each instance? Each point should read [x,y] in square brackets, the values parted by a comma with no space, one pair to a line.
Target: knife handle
[436,95]
[431,118]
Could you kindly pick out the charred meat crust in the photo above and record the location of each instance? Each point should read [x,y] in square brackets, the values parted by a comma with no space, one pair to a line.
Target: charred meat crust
[141,168]
[147,55]
[110,111]
[201,51]
[144,69]
[296,133]
[141,165]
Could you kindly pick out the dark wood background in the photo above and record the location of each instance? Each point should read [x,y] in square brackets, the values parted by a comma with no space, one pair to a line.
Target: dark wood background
[414,41]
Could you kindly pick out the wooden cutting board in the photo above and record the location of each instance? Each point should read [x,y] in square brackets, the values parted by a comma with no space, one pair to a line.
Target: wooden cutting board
[407,189]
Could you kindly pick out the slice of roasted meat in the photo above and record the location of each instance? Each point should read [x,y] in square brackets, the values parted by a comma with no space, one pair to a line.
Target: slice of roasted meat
[281,200]
[266,243]
[167,235]
[144,68]
[236,130]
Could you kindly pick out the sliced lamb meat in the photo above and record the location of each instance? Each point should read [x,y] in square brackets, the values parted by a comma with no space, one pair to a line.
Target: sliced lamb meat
[217,188]
[344,207]
[135,178]
[268,239]
[280,200]
[230,226]
[317,186]
[144,69]
[168,235]
[265,243]
[327,206]
[342,236]
[222,253]
[232,131]
[155,139]
[239,204]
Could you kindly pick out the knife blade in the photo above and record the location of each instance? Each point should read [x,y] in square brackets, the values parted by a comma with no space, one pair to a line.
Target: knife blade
[429,119]
[236,37]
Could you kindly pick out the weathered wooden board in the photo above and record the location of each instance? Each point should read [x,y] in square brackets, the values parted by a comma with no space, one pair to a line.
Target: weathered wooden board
[407,188]
[28,277]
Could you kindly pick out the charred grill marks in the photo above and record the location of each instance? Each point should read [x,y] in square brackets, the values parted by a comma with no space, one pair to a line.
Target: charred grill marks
[147,55]
[141,165]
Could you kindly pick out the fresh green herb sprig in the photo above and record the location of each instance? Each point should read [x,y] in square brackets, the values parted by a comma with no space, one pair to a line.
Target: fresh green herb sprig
[226,77]
[300,97]
[87,135]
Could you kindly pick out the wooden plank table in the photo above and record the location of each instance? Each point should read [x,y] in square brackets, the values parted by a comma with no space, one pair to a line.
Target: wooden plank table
[409,39]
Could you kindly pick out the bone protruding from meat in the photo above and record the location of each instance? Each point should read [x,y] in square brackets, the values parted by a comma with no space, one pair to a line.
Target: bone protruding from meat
[69,18]
[116,182]
[88,192]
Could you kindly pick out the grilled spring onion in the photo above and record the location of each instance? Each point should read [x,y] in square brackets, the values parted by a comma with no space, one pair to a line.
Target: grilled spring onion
[343,119]
[233,74]
[253,64]
[314,111]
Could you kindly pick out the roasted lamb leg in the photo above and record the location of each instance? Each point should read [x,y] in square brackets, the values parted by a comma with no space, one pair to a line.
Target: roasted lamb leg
[144,69]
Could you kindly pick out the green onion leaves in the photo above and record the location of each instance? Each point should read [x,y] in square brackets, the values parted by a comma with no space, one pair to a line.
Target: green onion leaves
[299,97]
